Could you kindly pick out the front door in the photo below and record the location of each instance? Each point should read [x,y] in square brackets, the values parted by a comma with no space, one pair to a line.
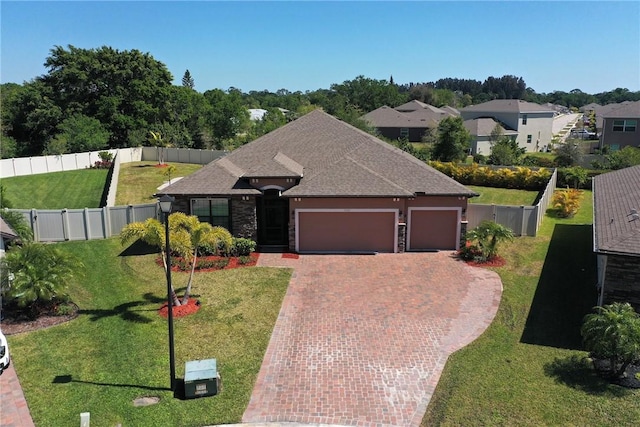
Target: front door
[273,219]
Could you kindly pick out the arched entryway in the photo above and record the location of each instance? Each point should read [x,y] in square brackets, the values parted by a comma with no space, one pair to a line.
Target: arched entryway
[273,220]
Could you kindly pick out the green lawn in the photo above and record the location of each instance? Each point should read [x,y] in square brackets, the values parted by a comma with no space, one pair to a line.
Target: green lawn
[139,181]
[57,190]
[116,350]
[528,369]
[503,196]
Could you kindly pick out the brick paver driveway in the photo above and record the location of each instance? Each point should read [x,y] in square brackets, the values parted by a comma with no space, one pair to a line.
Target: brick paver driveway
[362,339]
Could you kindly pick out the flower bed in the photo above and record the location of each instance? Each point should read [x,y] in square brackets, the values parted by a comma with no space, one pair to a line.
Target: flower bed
[212,263]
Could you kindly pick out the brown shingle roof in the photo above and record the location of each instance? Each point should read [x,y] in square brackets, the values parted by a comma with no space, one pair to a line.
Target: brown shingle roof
[624,111]
[615,194]
[337,160]
[509,106]
[484,127]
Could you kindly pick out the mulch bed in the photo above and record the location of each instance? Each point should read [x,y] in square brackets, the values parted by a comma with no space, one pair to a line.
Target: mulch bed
[289,255]
[498,261]
[629,380]
[16,323]
[190,307]
[234,262]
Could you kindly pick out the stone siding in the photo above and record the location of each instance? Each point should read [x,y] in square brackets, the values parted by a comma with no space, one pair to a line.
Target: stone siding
[622,280]
[243,218]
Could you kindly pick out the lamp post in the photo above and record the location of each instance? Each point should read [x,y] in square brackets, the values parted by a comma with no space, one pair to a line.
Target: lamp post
[165,206]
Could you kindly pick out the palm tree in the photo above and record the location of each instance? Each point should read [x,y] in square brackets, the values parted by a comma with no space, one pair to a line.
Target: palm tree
[37,272]
[613,333]
[186,234]
[160,143]
[487,235]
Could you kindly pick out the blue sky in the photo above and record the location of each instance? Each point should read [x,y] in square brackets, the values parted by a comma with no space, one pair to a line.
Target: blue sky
[299,45]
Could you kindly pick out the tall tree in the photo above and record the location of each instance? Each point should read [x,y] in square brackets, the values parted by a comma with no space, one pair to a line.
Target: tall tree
[187,80]
[125,90]
[453,140]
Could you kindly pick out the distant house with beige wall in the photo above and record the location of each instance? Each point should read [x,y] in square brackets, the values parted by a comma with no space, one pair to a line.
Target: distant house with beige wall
[532,122]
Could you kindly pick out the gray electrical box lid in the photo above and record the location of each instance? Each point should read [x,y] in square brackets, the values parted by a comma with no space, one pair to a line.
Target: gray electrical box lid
[200,369]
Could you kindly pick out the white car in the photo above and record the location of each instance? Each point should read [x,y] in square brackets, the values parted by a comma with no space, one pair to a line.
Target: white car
[4,353]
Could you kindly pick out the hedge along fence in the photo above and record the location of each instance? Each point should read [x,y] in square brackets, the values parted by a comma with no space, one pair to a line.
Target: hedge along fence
[95,223]
[520,177]
[523,220]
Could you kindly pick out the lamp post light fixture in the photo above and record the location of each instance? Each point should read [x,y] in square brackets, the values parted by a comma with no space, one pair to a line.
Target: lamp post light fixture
[166,202]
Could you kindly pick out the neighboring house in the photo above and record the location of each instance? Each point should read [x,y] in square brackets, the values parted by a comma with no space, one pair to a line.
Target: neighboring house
[6,235]
[620,127]
[616,231]
[480,130]
[586,109]
[256,114]
[410,120]
[318,184]
[532,122]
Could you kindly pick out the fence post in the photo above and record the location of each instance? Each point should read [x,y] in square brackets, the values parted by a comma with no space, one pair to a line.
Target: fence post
[65,223]
[87,225]
[522,222]
[494,212]
[106,222]
[34,225]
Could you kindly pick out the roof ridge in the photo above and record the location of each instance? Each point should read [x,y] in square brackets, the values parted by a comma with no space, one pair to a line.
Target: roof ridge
[368,169]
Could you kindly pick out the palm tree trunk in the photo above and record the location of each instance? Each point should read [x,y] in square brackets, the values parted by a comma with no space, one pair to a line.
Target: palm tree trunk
[187,292]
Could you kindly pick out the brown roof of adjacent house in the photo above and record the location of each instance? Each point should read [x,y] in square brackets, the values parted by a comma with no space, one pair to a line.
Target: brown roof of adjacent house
[624,111]
[509,106]
[422,116]
[484,127]
[6,231]
[337,160]
[616,194]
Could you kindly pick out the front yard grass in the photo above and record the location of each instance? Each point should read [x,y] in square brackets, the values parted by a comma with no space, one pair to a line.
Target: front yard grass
[117,348]
[503,196]
[139,181]
[76,189]
[528,368]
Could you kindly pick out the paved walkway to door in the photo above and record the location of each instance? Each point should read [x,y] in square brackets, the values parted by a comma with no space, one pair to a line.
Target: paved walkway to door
[361,340]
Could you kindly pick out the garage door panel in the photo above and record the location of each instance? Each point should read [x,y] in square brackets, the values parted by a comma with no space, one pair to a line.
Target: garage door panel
[346,231]
[433,229]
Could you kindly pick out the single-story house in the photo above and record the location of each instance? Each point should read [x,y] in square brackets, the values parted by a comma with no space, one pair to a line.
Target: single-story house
[408,121]
[616,231]
[532,122]
[480,130]
[620,126]
[318,184]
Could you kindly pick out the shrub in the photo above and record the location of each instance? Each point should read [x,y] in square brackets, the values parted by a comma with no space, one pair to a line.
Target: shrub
[242,246]
[567,202]
[484,240]
[474,174]
[543,162]
[245,259]
[480,159]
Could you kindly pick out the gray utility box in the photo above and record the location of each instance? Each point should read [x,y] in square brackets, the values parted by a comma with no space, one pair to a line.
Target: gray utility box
[201,378]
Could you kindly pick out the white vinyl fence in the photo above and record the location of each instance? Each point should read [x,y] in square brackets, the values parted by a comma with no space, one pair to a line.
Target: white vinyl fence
[523,220]
[66,162]
[94,223]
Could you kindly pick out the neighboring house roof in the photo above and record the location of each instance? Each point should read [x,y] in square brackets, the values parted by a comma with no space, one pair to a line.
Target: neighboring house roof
[6,231]
[412,106]
[615,194]
[624,111]
[592,106]
[423,117]
[484,127]
[508,106]
[604,110]
[452,111]
[330,157]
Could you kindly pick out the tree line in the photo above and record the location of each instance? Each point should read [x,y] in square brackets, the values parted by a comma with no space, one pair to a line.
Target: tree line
[93,99]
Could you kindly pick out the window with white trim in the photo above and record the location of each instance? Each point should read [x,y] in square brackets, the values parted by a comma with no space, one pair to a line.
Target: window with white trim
[213,211]
[529,139]
[625,125]
[524,119]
